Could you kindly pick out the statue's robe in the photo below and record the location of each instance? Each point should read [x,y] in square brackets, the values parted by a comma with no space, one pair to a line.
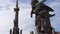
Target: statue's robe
[42,17]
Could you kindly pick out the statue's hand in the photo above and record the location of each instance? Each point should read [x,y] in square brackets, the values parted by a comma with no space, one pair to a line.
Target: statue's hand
[52,15]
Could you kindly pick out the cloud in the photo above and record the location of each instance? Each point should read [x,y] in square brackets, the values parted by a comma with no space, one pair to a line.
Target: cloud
[6,16]
[26,23]
[6,5]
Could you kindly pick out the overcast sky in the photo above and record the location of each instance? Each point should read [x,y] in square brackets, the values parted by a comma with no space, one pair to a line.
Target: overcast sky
[26,23]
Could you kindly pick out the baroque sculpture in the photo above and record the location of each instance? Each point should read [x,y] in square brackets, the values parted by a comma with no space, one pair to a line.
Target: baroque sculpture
[42,17]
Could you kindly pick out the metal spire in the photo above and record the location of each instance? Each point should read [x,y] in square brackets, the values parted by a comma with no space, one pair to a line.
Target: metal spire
[16,3]
[16,28]
[17,8]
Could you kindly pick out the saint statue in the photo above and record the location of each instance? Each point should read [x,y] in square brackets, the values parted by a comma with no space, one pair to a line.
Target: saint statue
[42,15]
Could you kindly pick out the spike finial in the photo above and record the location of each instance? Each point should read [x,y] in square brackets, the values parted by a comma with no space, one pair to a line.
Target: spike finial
[16,3]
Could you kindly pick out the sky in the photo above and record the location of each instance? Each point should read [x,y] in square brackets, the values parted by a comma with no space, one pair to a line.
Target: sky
[26,23]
